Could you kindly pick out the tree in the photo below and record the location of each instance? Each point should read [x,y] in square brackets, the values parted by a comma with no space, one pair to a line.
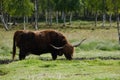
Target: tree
[43,7]
[2,9]
[47,6]
[110,7]
[104,12]
[73,5]
[50,7]
[57,9]
[86,7]
[117,8]
[19,8]
[64,4]
[96,10]
[94,6]
[36,14]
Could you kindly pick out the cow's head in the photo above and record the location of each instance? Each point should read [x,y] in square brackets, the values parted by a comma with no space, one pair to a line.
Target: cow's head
[67,49]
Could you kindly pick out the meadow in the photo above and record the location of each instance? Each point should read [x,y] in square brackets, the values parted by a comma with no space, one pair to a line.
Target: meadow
[98,58]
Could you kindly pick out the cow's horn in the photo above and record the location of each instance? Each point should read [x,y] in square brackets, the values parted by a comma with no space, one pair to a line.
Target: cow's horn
[78,44]
[56,47]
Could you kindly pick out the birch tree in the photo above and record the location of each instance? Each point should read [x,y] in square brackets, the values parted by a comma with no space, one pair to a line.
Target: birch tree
[104,12]
[73,5]
[64,4]
[57,9]
[2,10]
[36,14]
[95,5]
[110,7]
[117,8]
[19,8]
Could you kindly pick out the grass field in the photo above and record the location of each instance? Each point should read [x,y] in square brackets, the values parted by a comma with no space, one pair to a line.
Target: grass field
[98,58]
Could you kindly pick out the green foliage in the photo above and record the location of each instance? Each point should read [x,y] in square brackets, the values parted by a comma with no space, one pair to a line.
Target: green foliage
[26,7]
[19,8]
[104,46]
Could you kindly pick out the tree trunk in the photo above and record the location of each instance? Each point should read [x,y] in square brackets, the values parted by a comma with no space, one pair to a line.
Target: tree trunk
[27,18]
[36,15]
[103,24]
[56,17]
[50,17]
[64,19]
[70,18]
[96,16]
[24,24]
[110,19]
[117,16]
[3,21]
[103,11]
[32,19]
[118,28]
[46,16]
[2,17]
[62,15]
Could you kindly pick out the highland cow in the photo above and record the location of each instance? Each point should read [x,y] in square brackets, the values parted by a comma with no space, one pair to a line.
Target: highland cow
[40,42]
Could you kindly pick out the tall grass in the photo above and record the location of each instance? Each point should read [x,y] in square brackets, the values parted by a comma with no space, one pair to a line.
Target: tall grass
[100,45]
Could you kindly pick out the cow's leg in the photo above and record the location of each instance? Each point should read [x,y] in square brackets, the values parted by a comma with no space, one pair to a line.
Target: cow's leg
[54,56]
[22,55]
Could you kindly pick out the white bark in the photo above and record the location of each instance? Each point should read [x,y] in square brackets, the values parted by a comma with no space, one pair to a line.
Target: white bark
[3,21]
[110,19]
[70,18]
[64,19]
[46,16]
[118,28]
[24,25]
[96,16]
[36,16]
[50,17]
[57,17]
[103,24]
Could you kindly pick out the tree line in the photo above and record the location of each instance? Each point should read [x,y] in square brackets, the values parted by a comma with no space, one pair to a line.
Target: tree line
[48,10]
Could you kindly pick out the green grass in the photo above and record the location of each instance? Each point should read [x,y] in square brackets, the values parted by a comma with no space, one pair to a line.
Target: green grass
[99,45]
[98,58]
[35,69]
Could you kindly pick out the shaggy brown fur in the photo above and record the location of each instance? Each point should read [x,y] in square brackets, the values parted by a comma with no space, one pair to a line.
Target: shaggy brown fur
[39,42]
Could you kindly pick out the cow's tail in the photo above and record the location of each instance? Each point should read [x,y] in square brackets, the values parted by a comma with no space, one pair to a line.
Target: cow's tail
[14,48]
